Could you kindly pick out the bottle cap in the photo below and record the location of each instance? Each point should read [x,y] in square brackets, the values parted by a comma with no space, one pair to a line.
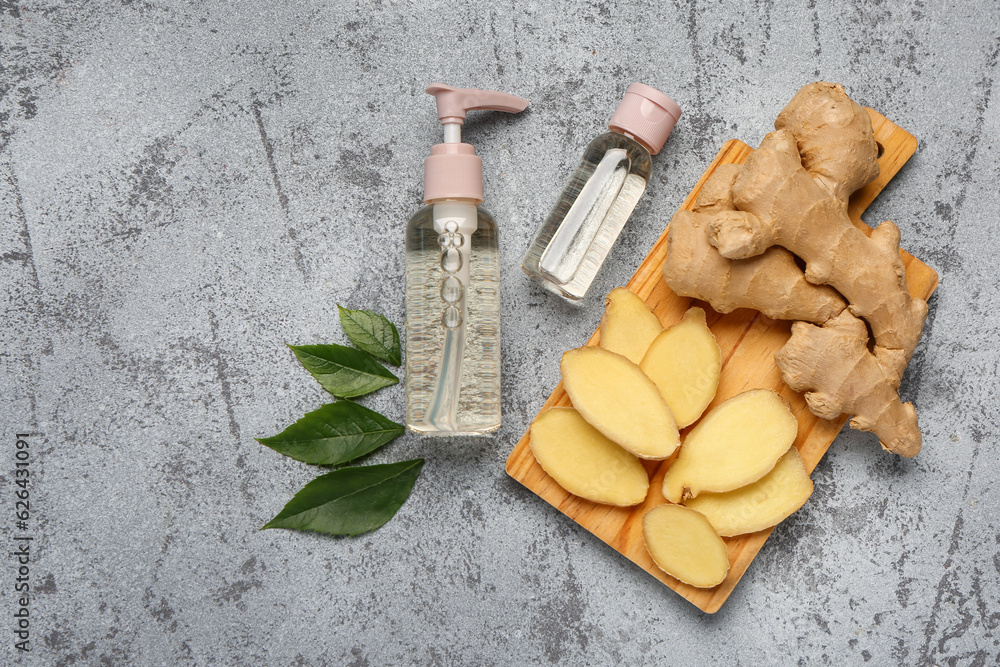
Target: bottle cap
[646,114]
[453,170]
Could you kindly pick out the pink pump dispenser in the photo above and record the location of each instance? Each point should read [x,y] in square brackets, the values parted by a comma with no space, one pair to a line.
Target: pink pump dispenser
[453,282]
[453,170]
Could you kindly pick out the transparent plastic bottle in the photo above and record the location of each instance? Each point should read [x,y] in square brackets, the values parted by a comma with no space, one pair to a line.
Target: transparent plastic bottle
[452,320]
[453,282]
[578,233]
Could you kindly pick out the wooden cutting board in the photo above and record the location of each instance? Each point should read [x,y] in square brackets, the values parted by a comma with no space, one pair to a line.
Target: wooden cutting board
[748,341]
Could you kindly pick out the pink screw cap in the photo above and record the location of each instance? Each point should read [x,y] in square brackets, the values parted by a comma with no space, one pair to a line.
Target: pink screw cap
[453,171]
[646,114]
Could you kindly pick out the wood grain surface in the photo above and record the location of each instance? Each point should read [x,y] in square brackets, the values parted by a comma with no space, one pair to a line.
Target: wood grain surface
[748,341]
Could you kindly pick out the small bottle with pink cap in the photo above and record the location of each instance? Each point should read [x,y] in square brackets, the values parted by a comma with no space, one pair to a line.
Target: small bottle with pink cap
[578,233]
[453,282]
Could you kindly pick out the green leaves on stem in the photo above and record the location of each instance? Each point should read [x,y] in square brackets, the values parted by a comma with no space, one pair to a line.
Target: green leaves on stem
[372,333]
[335,434]
[344,371]
[350,501]
[358,499]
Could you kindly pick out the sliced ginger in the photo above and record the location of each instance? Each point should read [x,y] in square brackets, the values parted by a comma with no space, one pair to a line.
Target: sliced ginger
[584,462]
[735,444]
[765,503]
[683,544]
[617,398]
[628,325]
[684,362]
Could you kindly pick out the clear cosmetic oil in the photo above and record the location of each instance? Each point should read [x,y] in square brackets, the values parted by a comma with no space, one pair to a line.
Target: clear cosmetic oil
[578,233]
[452,320]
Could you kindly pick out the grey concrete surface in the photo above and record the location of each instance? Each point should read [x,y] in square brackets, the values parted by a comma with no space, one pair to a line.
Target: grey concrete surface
[186,186]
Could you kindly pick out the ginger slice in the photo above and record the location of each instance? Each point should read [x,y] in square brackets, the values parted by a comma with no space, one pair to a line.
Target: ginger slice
[628,325]
[684,362]
[683,544]
[584,462]
[617,399]
[735,444]
[765,503]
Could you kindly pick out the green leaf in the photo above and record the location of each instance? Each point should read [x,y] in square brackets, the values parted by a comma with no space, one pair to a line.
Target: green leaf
[373,333]
[334,434]
[350,501]
[344,371]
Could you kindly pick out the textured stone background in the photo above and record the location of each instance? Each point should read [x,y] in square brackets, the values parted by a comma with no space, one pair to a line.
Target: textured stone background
[185,186]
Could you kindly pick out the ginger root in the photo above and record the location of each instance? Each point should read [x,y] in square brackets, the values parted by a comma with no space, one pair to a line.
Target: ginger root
[771,283]
[786,206]
[792,195]
[833,366]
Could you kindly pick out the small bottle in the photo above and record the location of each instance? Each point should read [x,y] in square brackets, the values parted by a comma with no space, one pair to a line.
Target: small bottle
[578,233]
[453,282]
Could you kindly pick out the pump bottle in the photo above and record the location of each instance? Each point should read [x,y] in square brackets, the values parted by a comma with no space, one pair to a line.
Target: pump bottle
[578,233]
[453,282]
